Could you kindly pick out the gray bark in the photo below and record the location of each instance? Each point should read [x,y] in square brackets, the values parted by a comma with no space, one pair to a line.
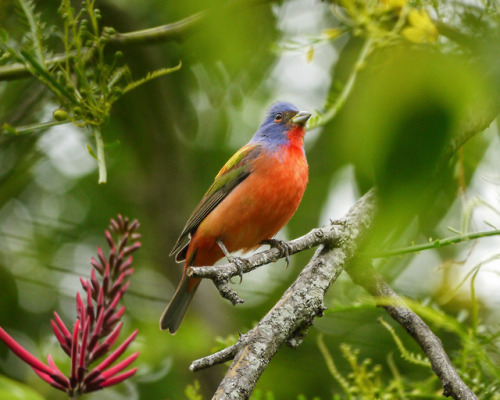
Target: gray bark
[288,321]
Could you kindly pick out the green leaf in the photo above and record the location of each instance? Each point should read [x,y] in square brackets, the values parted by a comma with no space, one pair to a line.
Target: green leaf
[113,145]
[192,392]
[34,22]
[91,151]
[3,35]
[151,76]
[9,129]
[13,390]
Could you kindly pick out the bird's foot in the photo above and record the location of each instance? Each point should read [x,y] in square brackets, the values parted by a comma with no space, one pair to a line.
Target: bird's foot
[240,262]
[282,246]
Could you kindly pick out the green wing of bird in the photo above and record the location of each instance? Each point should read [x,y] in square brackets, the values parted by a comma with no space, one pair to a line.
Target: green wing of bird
[235,171]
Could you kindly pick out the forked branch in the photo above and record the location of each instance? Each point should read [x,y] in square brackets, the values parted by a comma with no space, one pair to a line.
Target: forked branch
[288,321]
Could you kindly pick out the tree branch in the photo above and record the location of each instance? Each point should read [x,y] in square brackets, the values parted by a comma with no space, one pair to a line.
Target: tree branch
[151,35]
[477,118]
[364,275]
[288,320]
[434,244]
[221,274]
[216,358]
[156,34]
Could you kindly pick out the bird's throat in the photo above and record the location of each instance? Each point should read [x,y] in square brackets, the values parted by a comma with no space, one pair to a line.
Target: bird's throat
[296,136]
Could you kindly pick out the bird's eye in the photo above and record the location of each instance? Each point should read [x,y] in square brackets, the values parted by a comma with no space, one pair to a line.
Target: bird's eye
[278,117]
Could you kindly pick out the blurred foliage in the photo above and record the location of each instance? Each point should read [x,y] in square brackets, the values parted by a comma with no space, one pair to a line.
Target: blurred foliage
[395,84]
[475,357]
[13,390]
[193,391]
[84,84]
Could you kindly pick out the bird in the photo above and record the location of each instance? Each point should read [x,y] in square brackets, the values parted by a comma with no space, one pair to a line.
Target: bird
[252,197]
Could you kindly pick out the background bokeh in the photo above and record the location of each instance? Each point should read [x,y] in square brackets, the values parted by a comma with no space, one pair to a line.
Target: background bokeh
[167,139]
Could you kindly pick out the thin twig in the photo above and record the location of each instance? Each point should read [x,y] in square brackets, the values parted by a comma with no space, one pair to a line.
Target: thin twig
[321,119]
[101,160]
[156,34]
[21,130]
[314,238]
[35,30]
[214,359]
[303,301]
[159,33]
[221,274]
[435,244]
[298,306]
[364,275]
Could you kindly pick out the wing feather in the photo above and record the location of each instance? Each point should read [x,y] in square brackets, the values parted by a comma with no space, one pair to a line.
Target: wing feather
[235,171]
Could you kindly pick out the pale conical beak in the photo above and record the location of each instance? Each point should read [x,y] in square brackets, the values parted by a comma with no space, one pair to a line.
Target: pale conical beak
[301,118]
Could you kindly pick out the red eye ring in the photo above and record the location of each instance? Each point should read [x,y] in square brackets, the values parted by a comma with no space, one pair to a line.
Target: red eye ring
[278,117]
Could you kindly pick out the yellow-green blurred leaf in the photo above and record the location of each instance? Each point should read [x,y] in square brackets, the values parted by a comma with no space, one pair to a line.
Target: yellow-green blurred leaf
[13,390]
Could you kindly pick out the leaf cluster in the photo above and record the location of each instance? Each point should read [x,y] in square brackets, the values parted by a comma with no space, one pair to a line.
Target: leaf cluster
[474,356]
[85,81]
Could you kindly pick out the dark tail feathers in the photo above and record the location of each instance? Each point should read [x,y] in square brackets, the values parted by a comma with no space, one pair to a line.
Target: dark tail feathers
[178,306]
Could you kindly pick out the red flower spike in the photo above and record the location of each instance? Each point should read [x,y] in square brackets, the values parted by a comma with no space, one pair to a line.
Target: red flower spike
[24,354]
[90,305]
[129,272]
[111,306]
[100,300]
[125,287]
[123,242]
[83,349]
[119,260]
[126,264]
[115,317]
[130,249]
[95,378]
[98,326]
[105,280]
[112,261]
[119,219]
[117,285]
[135,236]
[111,339]
[47,378]
[57,375]
[118,378]
[109,238]
[117,353]
[113,226]
[134,226]
[106,345]
[60,338]
[80,307]
[116,299]
[65,331]
[85,283]
[120,366]
[74,354]
[91,378]
[102,259]
[96,265]
[96,334]
[95,284]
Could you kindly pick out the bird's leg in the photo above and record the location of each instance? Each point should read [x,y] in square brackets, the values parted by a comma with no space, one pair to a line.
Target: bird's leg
[282,246]
[238,261]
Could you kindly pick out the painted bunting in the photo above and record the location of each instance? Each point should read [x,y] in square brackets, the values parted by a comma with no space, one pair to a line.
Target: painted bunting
[252,197]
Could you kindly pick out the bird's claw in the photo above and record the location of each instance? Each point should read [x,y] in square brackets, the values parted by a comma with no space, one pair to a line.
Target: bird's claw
[238,261]
[240,264]
[282,246]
